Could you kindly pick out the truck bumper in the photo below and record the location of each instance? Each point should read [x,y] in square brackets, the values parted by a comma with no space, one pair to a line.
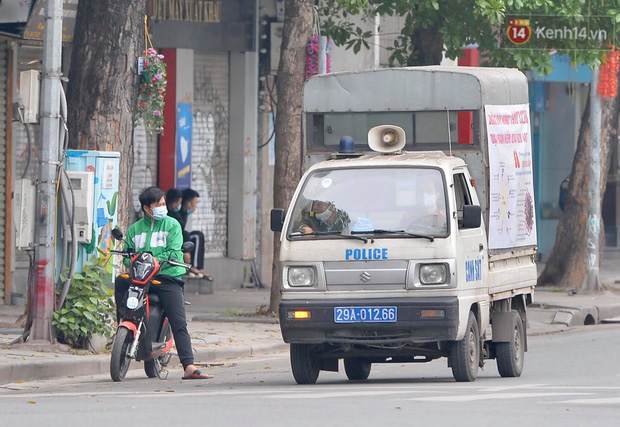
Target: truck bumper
[414,323]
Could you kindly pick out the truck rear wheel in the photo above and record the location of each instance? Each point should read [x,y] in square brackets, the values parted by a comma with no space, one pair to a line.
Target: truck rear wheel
[304,363]
[465,354]
[510,355]
[357,368]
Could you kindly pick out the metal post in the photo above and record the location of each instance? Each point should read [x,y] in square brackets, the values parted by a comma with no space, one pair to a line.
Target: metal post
[45,250]
[592,283]
[322,54]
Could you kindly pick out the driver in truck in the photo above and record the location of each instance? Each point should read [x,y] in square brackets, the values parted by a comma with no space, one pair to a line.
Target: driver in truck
[322,216]
[161,235]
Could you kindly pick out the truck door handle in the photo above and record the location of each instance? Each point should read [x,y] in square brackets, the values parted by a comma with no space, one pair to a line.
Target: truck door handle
[480,247]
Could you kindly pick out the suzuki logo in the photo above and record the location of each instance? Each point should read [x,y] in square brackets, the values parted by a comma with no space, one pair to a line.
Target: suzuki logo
[365,277]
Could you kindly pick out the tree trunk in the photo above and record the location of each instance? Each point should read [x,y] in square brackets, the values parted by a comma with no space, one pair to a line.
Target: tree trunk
[566,266]
[297,31]
[103,81]
[427,45]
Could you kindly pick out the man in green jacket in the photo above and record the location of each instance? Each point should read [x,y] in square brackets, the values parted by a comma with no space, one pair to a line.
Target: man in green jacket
[161,235]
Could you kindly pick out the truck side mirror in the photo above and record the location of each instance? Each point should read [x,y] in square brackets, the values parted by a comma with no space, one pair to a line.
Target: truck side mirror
[472,216]
[277,219]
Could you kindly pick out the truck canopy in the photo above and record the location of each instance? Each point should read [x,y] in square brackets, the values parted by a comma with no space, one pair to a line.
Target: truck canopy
[433,88]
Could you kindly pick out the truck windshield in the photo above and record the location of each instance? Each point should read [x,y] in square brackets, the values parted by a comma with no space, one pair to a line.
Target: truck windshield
[360,200]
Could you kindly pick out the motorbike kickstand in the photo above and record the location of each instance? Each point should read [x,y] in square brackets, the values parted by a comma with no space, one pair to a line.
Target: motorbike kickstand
[161,371]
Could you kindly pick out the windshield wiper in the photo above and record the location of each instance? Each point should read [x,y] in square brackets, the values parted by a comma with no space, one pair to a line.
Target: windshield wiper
[326,233]
[381,231]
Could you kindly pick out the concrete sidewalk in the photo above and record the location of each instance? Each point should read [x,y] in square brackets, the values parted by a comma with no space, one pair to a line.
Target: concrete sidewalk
[222,326]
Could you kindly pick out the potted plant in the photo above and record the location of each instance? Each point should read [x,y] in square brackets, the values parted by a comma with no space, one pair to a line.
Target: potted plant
[89,306]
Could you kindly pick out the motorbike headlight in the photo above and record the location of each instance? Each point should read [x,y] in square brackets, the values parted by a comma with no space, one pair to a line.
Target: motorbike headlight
[433,274]
[141,270]
[301,276]
[132,303]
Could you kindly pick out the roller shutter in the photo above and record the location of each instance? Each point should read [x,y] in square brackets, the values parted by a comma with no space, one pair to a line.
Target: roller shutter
[210,149]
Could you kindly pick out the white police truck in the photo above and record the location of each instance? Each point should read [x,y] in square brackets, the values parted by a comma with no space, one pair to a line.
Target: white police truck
[412,234]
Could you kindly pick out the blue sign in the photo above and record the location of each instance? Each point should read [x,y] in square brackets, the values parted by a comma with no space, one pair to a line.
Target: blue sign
[184,146]
[565,71]
[473,270]
[365,254]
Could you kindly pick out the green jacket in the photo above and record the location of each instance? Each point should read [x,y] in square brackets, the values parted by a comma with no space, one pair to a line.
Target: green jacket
[162,238]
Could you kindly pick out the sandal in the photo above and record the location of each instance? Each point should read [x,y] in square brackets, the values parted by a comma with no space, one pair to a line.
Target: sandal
[197,375]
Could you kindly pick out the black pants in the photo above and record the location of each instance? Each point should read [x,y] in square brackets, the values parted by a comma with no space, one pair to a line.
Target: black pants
[171,295]
[198,254]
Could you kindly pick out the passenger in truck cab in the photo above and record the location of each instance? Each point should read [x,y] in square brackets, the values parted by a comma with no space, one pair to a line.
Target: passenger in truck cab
[322,216]
[432,206]
[429,211]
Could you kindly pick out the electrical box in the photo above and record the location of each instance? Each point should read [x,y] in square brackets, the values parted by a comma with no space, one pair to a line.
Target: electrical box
[30,90]
[25,206]
[83,185]
[96,204]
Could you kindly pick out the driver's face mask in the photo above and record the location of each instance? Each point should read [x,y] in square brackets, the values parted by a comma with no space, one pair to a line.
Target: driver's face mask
[323,216]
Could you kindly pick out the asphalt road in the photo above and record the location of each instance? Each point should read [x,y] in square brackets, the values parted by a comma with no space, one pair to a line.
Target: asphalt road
[570,379]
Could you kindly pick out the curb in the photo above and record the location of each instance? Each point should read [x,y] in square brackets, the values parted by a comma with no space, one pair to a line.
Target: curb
[100,363]
[580,316]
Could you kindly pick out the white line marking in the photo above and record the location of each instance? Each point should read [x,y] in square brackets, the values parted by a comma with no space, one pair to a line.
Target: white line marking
[346,394]
[470,398]
[601,401]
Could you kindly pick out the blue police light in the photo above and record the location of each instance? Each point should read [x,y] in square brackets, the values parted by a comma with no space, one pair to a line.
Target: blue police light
[347,145]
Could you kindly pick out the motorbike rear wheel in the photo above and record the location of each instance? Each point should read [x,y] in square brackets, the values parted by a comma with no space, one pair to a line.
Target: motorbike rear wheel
[120,360]
[152,368]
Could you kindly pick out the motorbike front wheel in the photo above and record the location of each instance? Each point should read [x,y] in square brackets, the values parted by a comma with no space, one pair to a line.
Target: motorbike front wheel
[119,363]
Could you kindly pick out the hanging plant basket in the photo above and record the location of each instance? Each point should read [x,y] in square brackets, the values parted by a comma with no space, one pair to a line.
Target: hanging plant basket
[312,56]
[151,91]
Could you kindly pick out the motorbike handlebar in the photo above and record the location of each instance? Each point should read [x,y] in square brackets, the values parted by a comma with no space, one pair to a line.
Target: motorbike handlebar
[178,264]
[124,253]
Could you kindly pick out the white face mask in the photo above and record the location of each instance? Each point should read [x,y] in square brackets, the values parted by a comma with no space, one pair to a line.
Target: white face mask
[159,213]
[323,216]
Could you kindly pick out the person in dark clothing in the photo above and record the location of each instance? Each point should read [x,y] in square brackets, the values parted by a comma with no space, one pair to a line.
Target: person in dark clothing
[174,200]
[188,205]
[161,235]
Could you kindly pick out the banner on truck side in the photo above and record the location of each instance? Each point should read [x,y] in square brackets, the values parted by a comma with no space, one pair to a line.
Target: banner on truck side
[512,217]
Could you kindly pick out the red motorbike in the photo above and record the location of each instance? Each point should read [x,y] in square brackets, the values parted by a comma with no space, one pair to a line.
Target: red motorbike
[144,333]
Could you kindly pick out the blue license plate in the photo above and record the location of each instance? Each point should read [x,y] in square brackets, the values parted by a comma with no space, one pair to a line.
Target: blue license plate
[365,314]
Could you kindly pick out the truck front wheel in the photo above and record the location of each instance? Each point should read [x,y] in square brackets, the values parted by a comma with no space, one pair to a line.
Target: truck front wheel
[304,363]
[510,354]
[357,368]
[465,354]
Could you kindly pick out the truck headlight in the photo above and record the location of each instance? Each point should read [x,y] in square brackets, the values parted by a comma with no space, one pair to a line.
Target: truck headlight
[433,274]
[301,276]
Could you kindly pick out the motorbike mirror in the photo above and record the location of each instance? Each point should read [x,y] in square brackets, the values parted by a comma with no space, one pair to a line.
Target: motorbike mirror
[187,247]
[117,234]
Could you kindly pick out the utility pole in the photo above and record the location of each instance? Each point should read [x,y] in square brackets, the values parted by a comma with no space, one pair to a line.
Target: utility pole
[45,249]
[592,283]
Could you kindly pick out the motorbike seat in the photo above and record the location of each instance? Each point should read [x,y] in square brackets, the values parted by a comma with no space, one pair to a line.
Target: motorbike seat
[169,279]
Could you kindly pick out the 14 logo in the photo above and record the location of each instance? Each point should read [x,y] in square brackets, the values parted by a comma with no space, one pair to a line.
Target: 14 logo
[519,31]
